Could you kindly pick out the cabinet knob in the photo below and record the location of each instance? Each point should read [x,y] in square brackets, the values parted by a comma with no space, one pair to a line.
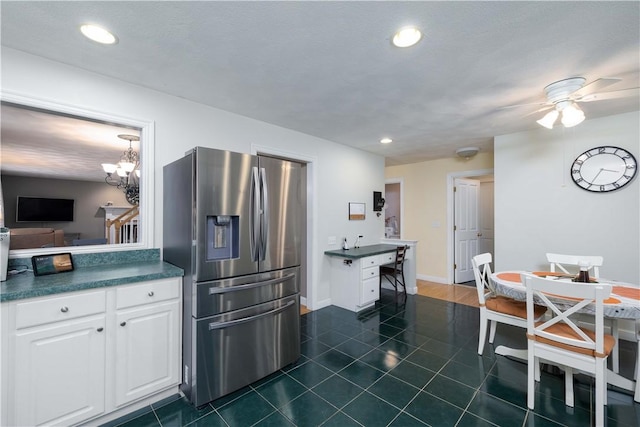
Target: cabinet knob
[100,329]
[64,309]
[123,323]
[150,293]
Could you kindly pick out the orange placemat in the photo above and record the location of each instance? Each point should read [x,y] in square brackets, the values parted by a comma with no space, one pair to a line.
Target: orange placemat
[626,292]
[550,273]
[510,277]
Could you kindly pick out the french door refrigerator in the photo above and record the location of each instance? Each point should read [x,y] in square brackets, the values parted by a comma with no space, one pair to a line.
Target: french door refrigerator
[233,222]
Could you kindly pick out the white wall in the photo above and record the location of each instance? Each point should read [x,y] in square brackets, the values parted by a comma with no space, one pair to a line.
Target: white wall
[539,209]
[425,215]
[339,174]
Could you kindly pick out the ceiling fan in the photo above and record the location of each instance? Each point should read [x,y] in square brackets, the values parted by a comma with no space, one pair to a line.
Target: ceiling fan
[563,97]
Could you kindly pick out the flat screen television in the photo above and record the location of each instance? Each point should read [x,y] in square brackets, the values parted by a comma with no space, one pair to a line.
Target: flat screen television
[41,209]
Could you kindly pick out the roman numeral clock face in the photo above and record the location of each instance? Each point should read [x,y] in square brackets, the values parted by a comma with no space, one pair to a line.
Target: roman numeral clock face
[604,169]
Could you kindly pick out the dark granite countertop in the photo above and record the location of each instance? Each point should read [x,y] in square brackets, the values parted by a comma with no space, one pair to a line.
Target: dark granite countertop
[92,271]
[361,252]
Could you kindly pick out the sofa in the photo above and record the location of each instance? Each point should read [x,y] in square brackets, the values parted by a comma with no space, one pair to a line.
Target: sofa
[28,238]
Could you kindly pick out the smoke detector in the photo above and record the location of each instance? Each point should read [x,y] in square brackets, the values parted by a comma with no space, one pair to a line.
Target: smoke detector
[467,152]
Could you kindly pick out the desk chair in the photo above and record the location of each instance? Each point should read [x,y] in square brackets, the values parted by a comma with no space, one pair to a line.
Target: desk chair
[394,272]
[560,261]
[560,340]
[496,308]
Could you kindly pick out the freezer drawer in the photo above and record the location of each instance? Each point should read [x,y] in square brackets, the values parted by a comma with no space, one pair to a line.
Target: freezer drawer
[220,296]
[238,348]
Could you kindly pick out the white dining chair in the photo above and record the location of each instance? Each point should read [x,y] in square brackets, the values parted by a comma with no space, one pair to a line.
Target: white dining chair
[561,261]
[496,308]
[560,340]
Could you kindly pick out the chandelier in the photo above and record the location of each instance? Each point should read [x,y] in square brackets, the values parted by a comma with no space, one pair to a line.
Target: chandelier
[126,173]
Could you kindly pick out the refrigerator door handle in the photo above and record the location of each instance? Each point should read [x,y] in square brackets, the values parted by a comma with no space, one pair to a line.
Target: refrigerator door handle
[221,325]
[264,219]
[254,229]
[284,278]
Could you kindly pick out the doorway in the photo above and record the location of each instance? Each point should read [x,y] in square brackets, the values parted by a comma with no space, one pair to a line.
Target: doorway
[470,213]
[393,209]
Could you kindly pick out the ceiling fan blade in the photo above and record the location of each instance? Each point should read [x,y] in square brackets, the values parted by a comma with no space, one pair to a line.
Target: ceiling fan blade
[525,105]
[539,110]
[594,86]
[622,93]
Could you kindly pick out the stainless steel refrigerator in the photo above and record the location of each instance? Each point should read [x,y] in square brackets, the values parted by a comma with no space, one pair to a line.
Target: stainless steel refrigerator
[233,222]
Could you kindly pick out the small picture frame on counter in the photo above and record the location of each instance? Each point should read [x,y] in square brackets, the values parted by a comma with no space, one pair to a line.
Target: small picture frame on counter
[52,263]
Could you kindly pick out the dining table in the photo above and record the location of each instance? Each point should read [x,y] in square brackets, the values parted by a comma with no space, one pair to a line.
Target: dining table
[623,303]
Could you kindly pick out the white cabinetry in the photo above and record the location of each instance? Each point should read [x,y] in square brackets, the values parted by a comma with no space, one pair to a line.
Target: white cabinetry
[147,340]
[59,360]
[90,355]
[355,283]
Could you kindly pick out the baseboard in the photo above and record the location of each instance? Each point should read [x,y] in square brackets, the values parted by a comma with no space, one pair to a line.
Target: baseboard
[434,279]
[303,301]
[321,304]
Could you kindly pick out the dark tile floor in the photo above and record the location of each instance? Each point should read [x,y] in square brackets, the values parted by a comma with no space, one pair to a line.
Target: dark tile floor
[411,363]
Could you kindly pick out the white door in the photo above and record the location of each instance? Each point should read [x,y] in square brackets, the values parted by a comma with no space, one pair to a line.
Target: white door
[466,227]
[147,350]
[485,202]
[60,378]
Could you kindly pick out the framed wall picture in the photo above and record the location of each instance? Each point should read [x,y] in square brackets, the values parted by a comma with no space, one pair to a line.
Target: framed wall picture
[356,211]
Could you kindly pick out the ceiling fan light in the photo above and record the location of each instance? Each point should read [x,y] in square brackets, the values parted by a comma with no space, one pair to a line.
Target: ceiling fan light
[572,115]
[549,119]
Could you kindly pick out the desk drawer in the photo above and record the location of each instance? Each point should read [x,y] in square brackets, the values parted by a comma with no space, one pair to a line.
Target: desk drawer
[370,272]
[58,309]
[388,258]
[147,292]
[370,261]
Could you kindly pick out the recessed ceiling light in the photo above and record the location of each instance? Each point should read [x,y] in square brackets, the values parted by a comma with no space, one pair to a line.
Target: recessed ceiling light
[386,141]
[407,36]
[98,34]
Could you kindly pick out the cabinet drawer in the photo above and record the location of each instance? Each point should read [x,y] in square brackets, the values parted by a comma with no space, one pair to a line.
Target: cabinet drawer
[370,291]
[369,261]
[57,309]
[370,272]
[387,258]
[147,292]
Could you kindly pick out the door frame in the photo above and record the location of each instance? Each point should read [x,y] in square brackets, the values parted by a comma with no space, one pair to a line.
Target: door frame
[450,214]
[399,181]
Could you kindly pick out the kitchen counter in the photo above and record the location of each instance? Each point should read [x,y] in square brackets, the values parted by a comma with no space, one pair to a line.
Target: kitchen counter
[97,270]
[361,252]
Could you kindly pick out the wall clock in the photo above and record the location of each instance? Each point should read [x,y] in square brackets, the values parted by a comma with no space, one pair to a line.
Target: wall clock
[604,169]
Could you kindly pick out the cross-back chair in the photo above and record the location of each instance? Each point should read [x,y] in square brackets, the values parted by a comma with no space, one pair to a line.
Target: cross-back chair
[495,308]
[561,261]
[562,341]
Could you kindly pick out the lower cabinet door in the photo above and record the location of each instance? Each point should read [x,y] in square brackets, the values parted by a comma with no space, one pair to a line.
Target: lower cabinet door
[147,350]
[370,291]
[60,379]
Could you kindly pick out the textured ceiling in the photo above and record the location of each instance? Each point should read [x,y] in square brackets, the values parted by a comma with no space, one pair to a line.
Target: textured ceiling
[40,144]
[328,69]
